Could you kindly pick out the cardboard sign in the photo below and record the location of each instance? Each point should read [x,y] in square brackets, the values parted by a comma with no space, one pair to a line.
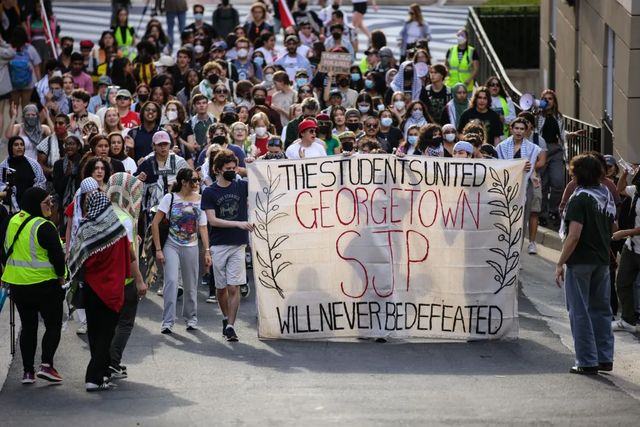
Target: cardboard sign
[335,62]
[381,246]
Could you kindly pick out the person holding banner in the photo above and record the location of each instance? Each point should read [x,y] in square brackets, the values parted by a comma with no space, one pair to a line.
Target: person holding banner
[226,205]
[586,230]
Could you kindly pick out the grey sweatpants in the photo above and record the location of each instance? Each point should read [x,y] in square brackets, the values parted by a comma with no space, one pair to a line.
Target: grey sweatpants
[185,260]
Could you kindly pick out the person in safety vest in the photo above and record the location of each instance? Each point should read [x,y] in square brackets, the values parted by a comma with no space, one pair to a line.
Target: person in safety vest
[463,62]
[35,271]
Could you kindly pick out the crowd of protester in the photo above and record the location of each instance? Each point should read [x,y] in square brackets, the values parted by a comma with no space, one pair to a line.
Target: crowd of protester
[134,152]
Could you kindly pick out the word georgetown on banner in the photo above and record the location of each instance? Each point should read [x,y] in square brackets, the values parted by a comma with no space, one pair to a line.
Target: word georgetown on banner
[390,247]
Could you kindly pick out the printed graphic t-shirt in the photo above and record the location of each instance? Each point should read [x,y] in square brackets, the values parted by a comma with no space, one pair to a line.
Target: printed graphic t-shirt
[229,203]
[184,219]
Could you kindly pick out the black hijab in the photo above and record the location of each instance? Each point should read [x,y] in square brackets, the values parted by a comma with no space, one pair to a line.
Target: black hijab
[31,200]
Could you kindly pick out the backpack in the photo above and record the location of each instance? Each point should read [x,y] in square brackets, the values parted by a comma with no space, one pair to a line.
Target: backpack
[627,215]
[20,70]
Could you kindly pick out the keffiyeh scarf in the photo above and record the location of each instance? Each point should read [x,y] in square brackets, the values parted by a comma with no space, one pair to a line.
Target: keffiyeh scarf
[398,81]
[601,195]
[100,229]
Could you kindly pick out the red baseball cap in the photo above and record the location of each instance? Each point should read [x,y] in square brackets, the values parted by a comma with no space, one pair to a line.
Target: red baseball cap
[307,124]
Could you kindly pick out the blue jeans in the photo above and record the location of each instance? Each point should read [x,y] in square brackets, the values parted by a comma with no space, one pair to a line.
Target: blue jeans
[588,293]
[182,22]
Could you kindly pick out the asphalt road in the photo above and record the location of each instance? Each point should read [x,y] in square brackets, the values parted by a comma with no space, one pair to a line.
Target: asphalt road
[198,379]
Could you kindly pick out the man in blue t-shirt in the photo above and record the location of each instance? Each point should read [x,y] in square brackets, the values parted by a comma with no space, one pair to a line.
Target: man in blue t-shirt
[225,203]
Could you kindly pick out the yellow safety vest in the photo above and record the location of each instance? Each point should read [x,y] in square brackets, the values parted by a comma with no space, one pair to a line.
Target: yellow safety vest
[29,262]
[460,70]
[505,113]
[125,42]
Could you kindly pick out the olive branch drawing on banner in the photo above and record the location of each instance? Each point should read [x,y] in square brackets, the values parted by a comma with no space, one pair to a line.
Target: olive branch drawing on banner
[510,234]
[266,214]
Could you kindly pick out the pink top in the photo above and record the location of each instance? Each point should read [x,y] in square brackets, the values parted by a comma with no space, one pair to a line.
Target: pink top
[83,81]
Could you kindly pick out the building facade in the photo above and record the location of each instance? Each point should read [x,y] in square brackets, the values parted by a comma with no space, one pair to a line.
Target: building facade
[590,54]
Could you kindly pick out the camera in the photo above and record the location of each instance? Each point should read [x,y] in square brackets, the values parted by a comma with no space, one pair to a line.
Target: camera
[8,176]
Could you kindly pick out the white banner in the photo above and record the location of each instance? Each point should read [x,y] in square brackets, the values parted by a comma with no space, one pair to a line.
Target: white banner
[382,246]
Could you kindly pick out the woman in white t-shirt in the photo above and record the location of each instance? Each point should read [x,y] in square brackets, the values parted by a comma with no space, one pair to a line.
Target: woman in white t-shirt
[415,28]
[118,151]
[180,254]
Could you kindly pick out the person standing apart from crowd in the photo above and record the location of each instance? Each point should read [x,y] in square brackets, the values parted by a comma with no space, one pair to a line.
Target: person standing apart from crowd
[225,204]
[415,28]
[359,10]
[586,231]
[180,254]
[462,62]
[102,251]
[175,9]
[35,271]
[24,67]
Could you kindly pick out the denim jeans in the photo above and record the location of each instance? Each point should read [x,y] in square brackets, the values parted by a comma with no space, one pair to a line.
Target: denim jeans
[171,16]
[588,292]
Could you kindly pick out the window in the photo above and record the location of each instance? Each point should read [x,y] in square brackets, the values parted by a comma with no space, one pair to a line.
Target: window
[611,56]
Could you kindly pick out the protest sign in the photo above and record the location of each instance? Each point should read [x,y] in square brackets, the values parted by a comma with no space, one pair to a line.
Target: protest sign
[335,62]
[382,246]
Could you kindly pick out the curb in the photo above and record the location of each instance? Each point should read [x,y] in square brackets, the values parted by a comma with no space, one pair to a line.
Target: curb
[549,238]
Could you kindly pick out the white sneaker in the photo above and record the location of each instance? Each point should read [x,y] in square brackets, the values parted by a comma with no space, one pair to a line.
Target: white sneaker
[82,330]
[621,325]
[91,387]
[532,249]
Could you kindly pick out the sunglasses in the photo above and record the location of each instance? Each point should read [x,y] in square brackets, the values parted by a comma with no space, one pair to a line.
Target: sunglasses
[311,130]
[219,91]
[494,84]
[121,98]
[275,143]
[195,180]
[306,91]
[371,125]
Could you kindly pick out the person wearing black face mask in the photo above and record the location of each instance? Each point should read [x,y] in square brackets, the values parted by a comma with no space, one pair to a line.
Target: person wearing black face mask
[349,95]
[225,203]
[259,95]
[66,49]
[353,123]
[337,40]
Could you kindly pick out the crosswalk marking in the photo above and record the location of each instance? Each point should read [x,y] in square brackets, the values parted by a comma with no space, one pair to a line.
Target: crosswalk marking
[90,21]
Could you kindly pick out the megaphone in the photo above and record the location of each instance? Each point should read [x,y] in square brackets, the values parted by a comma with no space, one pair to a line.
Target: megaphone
[527,101]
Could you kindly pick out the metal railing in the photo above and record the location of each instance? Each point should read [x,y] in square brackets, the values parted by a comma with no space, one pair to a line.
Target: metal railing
[590,136]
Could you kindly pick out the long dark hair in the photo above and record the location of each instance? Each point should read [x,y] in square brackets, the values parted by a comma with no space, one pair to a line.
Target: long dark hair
[184,174]
[11,142]
[119,77]
[91,166]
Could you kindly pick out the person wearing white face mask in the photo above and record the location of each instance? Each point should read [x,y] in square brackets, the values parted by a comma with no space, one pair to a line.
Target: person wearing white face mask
[415,115]
[449,139]
[246,68]
[398,106]
[261,135]
[389,135]
[409,146]
[198,16]
[463,62]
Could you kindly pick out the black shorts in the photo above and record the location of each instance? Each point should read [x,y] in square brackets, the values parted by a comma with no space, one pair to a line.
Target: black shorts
[360,7]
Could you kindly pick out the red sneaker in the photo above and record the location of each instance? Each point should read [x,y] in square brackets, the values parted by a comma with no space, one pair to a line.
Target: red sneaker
[47,372]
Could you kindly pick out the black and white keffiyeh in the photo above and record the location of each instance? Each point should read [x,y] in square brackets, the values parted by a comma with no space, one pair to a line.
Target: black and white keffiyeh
[98,230]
